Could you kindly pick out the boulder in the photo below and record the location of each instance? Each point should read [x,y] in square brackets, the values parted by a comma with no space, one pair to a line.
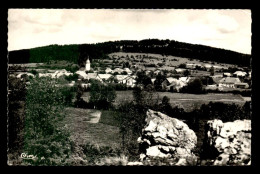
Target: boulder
[166,137]
[231,141]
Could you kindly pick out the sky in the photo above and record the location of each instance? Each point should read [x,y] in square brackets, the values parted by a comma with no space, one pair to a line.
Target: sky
[228,29]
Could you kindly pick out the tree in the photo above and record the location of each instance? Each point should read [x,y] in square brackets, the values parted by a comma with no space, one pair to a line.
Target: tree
[186,73]
[101,95]
[195,86]
[143,79]
[124,73]
[212,71]
[158,81]
[183,65]
[165,106]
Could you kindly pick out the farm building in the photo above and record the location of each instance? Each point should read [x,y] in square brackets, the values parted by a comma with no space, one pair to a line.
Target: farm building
[240,73]
[126,79]
[228,82]
[172,83]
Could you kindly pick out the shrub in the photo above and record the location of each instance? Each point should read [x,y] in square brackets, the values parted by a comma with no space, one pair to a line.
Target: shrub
[34,72]
[95,154]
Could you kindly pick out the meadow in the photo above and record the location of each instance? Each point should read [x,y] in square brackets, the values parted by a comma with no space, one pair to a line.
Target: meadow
[186,101]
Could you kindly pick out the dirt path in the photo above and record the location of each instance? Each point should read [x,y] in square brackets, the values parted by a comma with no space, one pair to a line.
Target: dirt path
[94,117]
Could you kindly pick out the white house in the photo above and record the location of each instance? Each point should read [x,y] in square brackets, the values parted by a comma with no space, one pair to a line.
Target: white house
[180,70]
[175,84]
[128,71]
[227,74]
[108,70]
[118,70]
[240,73]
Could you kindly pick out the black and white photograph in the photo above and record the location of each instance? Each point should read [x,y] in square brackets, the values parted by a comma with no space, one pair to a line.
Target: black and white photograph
[129,87]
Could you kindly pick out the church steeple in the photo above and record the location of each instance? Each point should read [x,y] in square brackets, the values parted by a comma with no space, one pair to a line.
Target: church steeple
[88,65]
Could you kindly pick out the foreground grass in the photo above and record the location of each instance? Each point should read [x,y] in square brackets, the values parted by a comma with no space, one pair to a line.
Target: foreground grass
[84,132]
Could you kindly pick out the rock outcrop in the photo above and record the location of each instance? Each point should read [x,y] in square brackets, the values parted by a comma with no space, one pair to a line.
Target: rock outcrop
[232,141]
[167,138]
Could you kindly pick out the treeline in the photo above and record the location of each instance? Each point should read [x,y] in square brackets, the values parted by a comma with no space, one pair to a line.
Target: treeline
[181,49]
[79,53]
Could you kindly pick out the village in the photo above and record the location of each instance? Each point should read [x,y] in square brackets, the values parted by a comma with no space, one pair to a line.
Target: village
[216,77]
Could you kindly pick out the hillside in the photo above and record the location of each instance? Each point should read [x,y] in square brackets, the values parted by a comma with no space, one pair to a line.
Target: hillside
[79,53]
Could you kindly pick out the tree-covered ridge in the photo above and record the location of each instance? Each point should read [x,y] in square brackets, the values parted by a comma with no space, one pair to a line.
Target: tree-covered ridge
[79,53]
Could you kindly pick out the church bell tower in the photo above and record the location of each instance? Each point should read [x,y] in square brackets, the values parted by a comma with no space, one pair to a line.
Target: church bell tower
[88,65]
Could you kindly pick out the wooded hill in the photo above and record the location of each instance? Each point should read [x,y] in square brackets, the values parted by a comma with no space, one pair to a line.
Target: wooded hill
[78,53]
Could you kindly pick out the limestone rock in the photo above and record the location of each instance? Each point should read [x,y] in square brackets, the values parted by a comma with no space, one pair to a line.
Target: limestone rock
[232,140]
[166,137]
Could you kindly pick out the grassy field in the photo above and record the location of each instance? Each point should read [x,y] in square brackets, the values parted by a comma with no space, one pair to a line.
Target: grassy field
[186,101]
[104,133]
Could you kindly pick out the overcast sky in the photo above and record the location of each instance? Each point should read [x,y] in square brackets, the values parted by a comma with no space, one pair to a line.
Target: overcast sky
[228,29]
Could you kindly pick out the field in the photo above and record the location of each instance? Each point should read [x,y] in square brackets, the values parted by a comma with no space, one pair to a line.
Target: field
[168,61]
[186,101]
